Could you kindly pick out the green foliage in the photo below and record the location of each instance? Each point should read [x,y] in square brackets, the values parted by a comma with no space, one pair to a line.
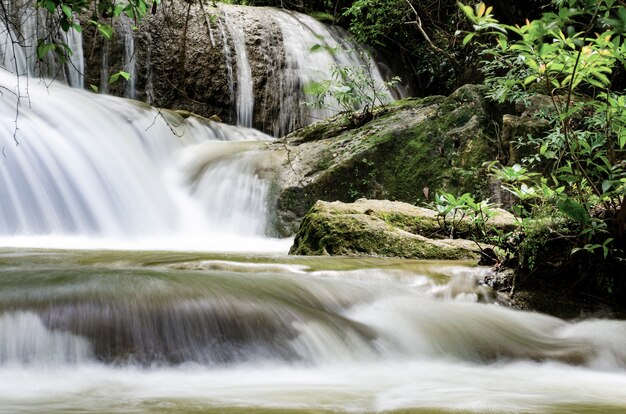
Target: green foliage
[452,211]
[571,55]
[121,74]
[66,10]
[351,88]
[374,21]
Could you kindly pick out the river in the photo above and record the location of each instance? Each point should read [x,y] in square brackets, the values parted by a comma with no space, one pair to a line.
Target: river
[105,331]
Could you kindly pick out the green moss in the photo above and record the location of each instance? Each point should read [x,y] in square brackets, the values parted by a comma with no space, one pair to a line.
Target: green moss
[348,233]
[413,148]
[416,225]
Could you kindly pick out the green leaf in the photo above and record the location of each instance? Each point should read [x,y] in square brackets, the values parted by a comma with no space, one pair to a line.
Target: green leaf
[574,210]
[44,48]
[50,6]
[467,38]
[530,79]
[606,185]
[116,76]
[94,88]
[105,30]
[67,11]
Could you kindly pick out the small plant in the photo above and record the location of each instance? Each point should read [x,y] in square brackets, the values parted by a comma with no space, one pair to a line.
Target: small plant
[351,90]
[453,211]
[106,11]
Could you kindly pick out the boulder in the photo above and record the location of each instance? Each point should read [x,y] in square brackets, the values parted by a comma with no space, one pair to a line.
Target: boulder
[381,228]
[408,152]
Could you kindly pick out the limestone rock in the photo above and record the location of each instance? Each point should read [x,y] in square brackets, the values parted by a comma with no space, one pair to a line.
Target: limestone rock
[408,152]
[379,228]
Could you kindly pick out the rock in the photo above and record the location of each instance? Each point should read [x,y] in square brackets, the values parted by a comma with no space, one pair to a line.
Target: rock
[408,152]
[379,228]
[516,128]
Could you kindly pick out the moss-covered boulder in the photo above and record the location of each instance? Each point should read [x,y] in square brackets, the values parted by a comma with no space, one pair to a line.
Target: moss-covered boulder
[409,151]
[379,228]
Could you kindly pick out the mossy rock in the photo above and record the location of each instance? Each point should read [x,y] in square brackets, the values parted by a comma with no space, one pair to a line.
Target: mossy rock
[377,228]
[408,152]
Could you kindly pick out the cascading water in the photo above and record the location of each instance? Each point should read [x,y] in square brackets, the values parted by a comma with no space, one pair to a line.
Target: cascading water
[115,332]
[106,331]
[21,28]
[235,21]
[116,170]
[297,50]
[311,50]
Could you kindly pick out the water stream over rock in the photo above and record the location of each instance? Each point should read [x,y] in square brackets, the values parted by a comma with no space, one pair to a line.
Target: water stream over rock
[142,319]
[180,332]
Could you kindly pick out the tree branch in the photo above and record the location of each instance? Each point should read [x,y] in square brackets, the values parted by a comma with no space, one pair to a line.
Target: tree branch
[418,22]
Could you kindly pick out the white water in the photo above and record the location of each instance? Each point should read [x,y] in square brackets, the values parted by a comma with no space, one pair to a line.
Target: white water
[236,22]
[311,50]
[113,170]
[19,37]
[107,332]
[290,64]
[266,334]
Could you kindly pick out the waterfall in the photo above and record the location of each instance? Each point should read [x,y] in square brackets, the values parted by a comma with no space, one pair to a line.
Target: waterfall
[130,59]
[122,169]
[21,27]
[235,22]
[312,50]
[269,55]
[309,50]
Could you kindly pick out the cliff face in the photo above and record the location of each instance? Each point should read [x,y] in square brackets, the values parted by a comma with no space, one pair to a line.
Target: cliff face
[246,65]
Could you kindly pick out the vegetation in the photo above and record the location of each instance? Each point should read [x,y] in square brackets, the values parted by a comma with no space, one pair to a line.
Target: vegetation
[351,89]
[64,13]
[571,192]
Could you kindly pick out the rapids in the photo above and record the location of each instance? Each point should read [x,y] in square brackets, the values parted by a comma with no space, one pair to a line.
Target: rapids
[116,313]
[91,331]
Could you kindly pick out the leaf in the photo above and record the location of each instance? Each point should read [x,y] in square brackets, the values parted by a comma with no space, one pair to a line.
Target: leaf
[105,30]
[50,6]
[115,77]
[67,11]
[65,25]
[480,9]
[606,185]
[574,210]
[467,38]
[44,48]
[94,88]
[530,79]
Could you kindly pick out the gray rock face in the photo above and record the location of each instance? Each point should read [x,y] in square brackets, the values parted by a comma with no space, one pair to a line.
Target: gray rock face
[408,152]
[246,65]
